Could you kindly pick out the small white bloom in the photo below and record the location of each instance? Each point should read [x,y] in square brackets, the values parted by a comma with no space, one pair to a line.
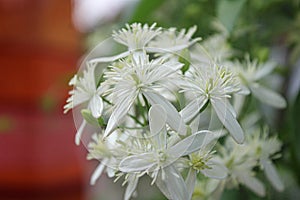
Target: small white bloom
[159,162]
[240,164]
[251,74]
[100,151]
[213,49]
[203,161]
[138,78]
[150,39]
[263,149]
[136,36]
[85,91]
[213,84]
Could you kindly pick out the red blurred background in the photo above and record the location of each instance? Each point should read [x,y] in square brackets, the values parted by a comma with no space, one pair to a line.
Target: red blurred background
[39,51]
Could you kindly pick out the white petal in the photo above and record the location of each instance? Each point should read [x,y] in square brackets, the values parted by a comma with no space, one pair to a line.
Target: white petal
[174,183]
[243,90]
[109,59]
[98,171]
[173,48]
[174,119]
[157,122]
[218,191]
[238,103]
[96,106]
[228,120]
[132,183]
[191,144]
[268,96]
[217,170]
[162,186]
[191,110]
[137,163]
[79,132]
[230,108]
[253,184]
[272,174]
[118,115]
[191,182]
[157,118]
[264,70]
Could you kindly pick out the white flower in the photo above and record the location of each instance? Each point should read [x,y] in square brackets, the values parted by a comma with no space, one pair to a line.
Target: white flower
[150,39]
[263,148]
[106,152]
[132,182]
[203,161]
[138,78]
[240,164]
[85,91]
[251,74]
[213,84]
[159,162]
[214,48]
[136,36]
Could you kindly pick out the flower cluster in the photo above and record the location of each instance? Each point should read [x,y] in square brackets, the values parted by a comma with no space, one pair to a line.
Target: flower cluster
[160,107]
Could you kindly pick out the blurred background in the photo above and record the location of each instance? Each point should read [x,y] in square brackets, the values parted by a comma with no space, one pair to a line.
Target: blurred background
[41,43]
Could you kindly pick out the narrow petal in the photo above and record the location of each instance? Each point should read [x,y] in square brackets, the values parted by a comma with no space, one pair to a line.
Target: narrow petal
[174,183]
[268,96]
[173,48]
[272,174]
[190,111]
[131,186]
[217,170]
[191,182]
[137,163]
[96,106]
[162,186]
[218,191]
[109,59]
[118,115]
[98,171]
[264,70]
[191,144]
[228,120]
[253,184]
[79,132]
[238,103]
[157,123]
[157,118]
[230,108]
[174,119]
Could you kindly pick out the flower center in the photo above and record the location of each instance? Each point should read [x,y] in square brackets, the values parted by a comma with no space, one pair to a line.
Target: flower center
[161,156]
[198,162]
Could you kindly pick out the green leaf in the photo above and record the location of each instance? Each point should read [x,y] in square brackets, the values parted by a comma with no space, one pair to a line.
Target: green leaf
[87,115]
[144,9]
[228,11]
[185,58]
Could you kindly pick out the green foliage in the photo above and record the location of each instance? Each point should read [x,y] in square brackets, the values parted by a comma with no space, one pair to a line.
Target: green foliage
[87,115]
[228,11]
[185,59]
[144,10]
